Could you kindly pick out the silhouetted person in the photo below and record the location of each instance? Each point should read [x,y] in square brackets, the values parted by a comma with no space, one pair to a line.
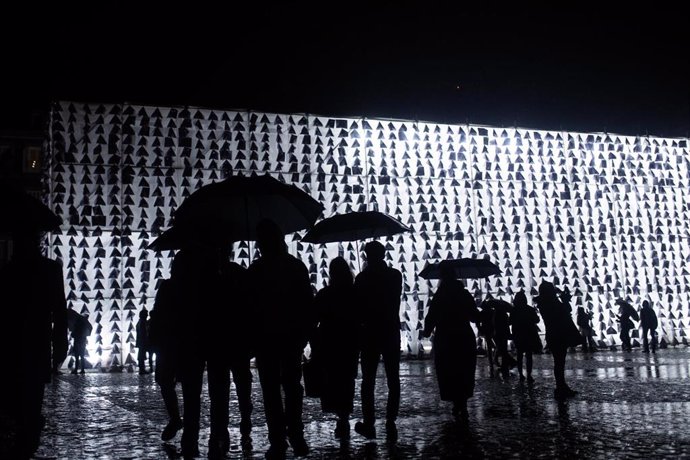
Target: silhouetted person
[336,347]
[229,352]
[378,288]
[584,322]
[198,273]
[525,322]
[165,341]
[35,316]
[80,335]
[501,337]
[627,314]
[281,297]
[142,343]
[649,323]
[561,332]
[486,330]
[451,311]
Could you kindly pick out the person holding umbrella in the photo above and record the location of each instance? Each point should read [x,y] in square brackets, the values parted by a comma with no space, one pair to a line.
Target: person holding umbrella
[378,289]
[451,311]
[280,295]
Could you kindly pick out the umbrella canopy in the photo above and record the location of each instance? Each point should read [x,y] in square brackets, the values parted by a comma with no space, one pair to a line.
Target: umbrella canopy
[354,226]
[239,203]
[76,321]
[21,212]
[183,236]
[464,269]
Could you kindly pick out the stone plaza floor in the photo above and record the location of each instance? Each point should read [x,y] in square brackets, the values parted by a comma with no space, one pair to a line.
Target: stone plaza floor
[631,405]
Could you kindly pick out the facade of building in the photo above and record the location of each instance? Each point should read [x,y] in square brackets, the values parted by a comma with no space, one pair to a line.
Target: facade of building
[603,214]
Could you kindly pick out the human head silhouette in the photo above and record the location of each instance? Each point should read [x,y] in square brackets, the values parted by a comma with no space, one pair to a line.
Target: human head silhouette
[645,304]
[375,252]
[520,299]
[339,272]
[144,313]
[270,238]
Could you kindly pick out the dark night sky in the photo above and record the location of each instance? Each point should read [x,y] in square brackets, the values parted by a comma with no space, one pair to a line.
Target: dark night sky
[585,69]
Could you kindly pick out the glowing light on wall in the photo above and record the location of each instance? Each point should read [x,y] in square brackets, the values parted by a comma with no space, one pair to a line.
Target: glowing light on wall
[605,215]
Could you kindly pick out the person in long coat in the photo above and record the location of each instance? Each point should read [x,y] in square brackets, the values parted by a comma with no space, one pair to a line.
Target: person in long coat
[561,332]
[649,323]
[525,328]
[451,311]
[337,348]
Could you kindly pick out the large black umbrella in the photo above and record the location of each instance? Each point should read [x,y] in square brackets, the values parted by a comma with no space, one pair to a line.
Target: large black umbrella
[354,226]
[21,212]
[464,269]
[239,203]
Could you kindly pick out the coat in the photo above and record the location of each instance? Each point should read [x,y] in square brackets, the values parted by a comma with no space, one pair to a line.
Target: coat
[451,311]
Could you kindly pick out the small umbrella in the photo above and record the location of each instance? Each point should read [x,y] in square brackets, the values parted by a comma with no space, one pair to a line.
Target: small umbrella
[464,268]
[75,321]
[21,212]
[354,226]
[241,202]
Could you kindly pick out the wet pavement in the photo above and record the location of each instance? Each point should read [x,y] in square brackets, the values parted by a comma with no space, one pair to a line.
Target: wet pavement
[630,405]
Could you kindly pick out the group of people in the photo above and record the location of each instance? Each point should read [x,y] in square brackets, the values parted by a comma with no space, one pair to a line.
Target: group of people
[211,315]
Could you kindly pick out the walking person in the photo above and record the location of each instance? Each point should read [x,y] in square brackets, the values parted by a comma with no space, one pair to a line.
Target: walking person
[142,342]
[486,330]
[451,310]
[649,322]
[561,332]
[525,329]
[337,351]
[378,288]
[626,314]
[228,353]
[281,296]
[584,322]
[80,334]
[502,335]
[164,340]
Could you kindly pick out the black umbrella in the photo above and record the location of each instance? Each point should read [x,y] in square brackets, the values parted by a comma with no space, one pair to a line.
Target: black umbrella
[239,203]
[76,321]
[464,269]
[183,236]
[354,226]
[21,212]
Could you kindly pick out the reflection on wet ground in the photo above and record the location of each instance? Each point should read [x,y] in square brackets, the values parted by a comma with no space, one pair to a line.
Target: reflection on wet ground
[630,405]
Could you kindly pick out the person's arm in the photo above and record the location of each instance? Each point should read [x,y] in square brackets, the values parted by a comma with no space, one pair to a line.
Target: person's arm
[430,318]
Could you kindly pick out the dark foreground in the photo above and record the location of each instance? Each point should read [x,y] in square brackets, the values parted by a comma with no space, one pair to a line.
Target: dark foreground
[630,405]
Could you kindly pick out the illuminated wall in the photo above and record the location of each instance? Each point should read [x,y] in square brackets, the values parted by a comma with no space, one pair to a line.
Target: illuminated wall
[606,215]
